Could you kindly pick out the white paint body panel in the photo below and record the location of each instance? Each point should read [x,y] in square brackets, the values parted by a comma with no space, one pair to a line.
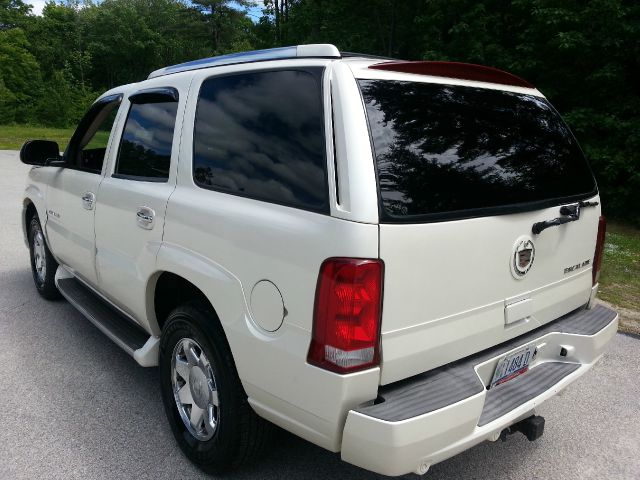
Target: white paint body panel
[358,193]
[446,285]
[35,191]
[70,227]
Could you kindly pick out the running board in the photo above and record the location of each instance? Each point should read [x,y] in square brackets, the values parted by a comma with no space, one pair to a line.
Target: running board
[115,325]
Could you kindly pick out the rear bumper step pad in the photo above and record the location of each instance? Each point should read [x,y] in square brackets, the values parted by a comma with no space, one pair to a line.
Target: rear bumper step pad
[506,397]
[456,381]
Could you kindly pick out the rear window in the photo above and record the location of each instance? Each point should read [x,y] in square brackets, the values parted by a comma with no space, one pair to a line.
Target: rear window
[261,135]
[445,151]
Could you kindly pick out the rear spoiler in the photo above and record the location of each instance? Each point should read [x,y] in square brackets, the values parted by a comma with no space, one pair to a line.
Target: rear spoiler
[464,71]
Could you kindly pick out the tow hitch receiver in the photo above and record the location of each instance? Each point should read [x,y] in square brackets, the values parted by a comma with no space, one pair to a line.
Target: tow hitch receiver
[532,428]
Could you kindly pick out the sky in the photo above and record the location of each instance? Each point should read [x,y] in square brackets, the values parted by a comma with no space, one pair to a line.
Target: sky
[38,5]
[254,12]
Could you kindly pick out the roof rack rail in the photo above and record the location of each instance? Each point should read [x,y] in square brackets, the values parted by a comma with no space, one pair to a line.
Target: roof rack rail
[319,50]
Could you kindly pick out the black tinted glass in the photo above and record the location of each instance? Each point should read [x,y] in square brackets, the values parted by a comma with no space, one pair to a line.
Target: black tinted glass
[261,135]
[145,148]
[88,145]
[448,151]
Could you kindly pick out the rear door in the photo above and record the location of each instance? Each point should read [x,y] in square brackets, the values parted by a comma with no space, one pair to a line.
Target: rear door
[464,172]
[132,199]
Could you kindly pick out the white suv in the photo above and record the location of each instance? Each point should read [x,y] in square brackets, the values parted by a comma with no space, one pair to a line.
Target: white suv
[393,260]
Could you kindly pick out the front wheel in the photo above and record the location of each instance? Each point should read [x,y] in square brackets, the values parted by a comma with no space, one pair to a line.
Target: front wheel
[203,398]
[43,265]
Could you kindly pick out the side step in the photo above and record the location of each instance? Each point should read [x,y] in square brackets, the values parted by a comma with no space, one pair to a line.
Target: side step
[121,330]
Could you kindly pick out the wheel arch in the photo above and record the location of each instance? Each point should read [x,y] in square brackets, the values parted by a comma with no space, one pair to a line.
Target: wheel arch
[28,211]
[172,290]
[32,205]
[183,275]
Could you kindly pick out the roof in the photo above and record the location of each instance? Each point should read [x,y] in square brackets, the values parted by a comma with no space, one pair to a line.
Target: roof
[320,50]
[463,71]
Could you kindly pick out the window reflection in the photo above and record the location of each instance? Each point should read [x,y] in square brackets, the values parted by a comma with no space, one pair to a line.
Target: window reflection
[145,148]
[443,148]
[261,135]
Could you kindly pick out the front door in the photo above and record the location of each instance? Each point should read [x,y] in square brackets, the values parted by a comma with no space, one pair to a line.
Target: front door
[71,194]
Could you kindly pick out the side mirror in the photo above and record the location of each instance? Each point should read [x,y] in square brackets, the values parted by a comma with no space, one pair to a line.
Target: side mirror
[41,152]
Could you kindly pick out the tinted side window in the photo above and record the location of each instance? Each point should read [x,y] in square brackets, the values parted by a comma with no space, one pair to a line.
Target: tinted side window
[88,145]
[261,135]
[145,148]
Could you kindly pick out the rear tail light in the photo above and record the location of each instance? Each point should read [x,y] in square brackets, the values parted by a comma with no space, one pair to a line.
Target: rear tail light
[597,258]
[346,320]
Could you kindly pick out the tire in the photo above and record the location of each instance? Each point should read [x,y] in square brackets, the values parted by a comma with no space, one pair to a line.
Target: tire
[43,265]
[239,435]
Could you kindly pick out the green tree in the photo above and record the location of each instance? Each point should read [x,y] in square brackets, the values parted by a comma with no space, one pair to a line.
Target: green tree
[229,28]
[62,103]
[13,13]
[59,40]
[8,104]
[20,75]
[127,39]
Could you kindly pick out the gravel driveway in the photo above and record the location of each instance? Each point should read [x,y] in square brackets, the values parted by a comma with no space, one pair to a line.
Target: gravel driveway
[73,405]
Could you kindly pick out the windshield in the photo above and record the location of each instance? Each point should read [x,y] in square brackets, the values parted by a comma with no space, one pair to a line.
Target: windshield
[447,151]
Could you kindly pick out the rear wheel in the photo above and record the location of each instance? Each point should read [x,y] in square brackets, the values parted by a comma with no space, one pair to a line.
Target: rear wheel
[204,401]
[43,265]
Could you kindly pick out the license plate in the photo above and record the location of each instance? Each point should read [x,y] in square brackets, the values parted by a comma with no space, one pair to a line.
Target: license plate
[512,365]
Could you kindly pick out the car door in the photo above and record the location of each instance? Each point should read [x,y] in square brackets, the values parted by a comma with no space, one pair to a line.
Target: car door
[70,199]
[133,196]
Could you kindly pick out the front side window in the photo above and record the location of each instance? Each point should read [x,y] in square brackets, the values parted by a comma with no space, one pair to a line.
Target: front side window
[261,135]
[447,151]
[88,145]
[147,138]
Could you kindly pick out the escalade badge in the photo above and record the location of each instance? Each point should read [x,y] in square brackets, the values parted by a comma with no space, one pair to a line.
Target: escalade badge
[522,258]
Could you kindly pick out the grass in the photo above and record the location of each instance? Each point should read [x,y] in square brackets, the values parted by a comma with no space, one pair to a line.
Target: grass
[13,136]
[620,277]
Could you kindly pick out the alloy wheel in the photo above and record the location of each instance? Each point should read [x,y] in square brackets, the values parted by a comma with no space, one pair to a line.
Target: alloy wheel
[195,389]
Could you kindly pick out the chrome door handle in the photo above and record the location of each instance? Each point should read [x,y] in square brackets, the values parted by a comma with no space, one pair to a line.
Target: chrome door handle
[88,200]
[145,217]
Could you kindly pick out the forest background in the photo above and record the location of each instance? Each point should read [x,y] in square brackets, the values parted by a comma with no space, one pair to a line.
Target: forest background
[584,55]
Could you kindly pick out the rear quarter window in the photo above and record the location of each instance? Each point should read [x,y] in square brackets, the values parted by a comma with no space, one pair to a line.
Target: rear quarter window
[446,151]
[261,135]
